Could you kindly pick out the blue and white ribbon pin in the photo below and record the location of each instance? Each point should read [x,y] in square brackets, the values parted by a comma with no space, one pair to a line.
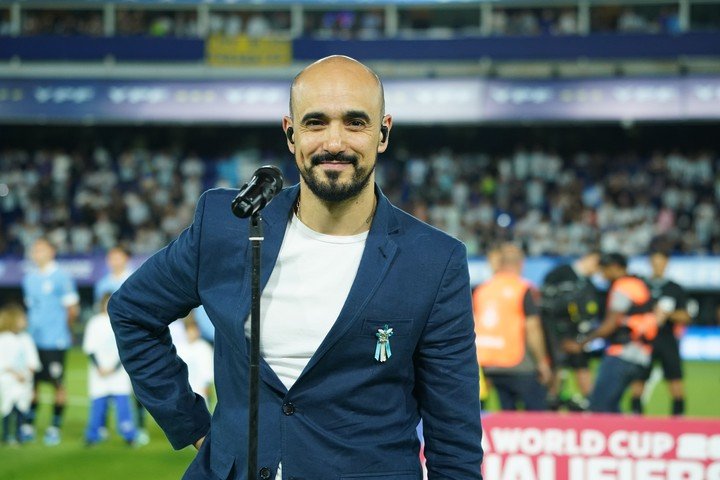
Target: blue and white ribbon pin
[382,349]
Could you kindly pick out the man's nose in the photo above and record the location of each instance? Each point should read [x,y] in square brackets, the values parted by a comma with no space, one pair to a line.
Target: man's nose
[335,139]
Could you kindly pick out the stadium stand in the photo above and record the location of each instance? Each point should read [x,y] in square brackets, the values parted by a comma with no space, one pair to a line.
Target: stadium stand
[553,204]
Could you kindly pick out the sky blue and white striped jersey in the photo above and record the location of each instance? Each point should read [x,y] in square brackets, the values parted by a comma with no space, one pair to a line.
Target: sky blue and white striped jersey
[47,294]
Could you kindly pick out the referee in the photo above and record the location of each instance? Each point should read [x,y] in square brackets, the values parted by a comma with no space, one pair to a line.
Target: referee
[671,298]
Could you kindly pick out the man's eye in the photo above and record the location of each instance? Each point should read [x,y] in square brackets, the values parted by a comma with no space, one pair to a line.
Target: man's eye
[313,123]
[357,123]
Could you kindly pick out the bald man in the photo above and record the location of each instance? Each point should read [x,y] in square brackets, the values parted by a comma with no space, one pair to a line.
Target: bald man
[510,341]
[366,318]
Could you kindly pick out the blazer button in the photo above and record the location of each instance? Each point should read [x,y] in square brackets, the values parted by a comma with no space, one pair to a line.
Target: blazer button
[265,473]
[288,408]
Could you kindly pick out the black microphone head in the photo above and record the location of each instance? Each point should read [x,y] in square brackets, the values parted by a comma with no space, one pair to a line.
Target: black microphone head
[273,174]
[267,181]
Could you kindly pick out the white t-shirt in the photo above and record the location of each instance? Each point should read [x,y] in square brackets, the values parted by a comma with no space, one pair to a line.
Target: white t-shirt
[304,295]
[99,340]
[17,355]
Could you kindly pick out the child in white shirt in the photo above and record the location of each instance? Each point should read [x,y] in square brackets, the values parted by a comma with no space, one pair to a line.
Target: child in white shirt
[18,363]
[107,379]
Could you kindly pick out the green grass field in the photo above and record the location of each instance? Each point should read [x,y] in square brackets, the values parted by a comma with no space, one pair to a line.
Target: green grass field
[114,460]
[111,460]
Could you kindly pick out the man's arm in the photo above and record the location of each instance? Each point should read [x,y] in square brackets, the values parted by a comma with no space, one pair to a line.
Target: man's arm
[72,314]
[162,290]
[536,345]
[70,300]
[680,316]
[446,380]
[606,328]
[535,337]
[618,305]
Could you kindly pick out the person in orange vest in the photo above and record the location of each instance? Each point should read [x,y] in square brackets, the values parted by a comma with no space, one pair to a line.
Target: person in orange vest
[509,337]
[630,325]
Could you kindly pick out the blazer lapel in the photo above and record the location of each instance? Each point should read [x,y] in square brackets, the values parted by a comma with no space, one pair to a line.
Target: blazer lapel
[377,257]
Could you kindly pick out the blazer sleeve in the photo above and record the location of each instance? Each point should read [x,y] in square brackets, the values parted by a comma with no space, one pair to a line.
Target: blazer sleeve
[447,379]
[162,290]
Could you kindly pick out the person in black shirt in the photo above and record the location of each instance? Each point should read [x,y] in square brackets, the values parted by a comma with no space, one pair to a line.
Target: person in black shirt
[671,298]
[570,308]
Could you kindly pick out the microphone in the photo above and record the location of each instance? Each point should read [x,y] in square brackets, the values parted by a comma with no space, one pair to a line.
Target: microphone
[265,183]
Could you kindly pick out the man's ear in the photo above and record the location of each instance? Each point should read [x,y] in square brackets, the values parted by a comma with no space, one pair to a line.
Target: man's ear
[385,128]
[289,133]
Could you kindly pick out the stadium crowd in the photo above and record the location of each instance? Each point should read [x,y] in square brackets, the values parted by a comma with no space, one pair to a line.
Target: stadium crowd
[366,23]
[551,204]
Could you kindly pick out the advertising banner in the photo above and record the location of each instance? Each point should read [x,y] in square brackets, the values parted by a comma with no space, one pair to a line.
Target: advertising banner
[607,99]
[700,343]
[85,270]
[693,272]
[239,51]
[410,101]
[543,446]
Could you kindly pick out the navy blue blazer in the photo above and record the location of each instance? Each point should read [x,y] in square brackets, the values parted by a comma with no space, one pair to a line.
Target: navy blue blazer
[347,416]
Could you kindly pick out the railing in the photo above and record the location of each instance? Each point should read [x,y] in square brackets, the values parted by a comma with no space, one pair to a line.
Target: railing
[596,46]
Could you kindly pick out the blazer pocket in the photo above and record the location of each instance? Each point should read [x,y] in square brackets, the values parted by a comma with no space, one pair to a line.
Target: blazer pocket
[404,475]
[401,326]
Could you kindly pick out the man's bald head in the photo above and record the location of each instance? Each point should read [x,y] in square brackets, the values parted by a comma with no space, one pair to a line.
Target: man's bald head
[511,257]
[328,65]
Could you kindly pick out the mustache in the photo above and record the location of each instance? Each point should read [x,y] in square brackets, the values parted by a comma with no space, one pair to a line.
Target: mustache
[319,158]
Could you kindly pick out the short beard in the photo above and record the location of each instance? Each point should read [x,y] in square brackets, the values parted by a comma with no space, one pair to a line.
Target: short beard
[332,191]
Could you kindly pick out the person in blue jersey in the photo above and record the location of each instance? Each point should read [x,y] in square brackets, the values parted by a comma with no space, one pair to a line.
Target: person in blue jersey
[53,305]
[117,261]
[366,315]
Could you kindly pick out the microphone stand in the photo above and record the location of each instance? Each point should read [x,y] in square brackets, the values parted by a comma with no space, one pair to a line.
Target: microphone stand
[256,238]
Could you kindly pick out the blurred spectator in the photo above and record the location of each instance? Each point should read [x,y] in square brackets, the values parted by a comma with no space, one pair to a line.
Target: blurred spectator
[629,21]
[62,22]
[371,24]
[670,20]
[545,21]
[5,26]
[567,22]
[635,19]
[157,23]
[258,25]
[499,22]
[254,24]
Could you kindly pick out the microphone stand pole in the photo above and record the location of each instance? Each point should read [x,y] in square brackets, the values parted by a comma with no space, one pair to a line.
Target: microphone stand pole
[256,238]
